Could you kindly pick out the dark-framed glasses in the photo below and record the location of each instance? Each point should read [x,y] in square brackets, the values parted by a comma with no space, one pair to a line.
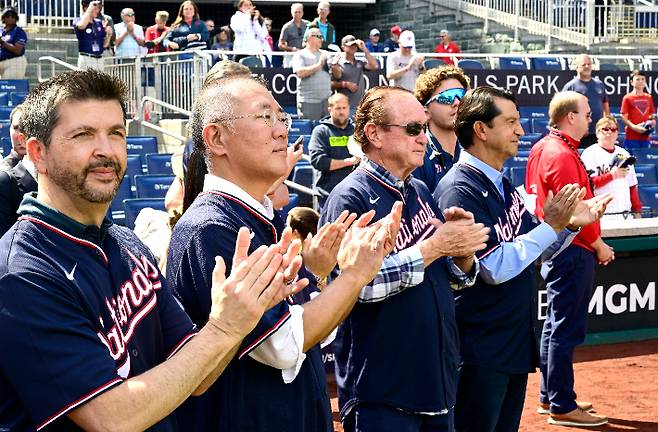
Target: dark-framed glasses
[270,118]
[447,97]
[411,128]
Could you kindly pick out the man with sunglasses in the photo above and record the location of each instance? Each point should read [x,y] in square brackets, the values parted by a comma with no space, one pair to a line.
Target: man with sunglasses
[93,35]
[396,353]
[440,90]
[553,163]
[347,71]
[130,36]
[314,85]
[495,316]
[292,33]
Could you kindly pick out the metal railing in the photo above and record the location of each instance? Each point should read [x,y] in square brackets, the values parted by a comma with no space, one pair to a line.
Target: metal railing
[51,14]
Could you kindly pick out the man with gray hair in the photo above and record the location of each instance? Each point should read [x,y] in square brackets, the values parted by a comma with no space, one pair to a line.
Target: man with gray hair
[446,46]
[292,33]
[322,22]
[314,85]
[130,36]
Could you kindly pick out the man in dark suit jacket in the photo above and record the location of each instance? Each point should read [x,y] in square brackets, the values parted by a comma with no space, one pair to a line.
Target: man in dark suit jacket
[13,185]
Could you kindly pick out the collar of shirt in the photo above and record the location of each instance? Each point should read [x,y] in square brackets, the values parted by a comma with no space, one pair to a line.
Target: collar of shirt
[214,183]
[492,174]
[568,140]
[32,207]
[385,176]
[29,166]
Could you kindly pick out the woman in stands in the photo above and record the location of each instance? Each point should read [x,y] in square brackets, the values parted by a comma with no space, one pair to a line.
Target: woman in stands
[188,32]
[249,28]
[12,47]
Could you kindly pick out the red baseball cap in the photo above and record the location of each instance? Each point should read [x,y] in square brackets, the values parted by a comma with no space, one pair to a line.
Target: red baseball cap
[396,29]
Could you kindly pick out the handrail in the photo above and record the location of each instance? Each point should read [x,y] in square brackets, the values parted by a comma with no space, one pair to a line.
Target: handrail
[164,104]
[299,188]
[53,61]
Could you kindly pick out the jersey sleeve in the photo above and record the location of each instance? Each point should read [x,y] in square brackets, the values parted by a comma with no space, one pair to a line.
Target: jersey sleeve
[51,353]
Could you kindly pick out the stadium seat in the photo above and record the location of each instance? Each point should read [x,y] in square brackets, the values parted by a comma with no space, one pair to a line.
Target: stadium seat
[532,137]
[546,63]
[646,156]
[532,112]
[646,174]
[433,63]
[134,166]
[518,175]
[16,98]
[252,62]
[293,201]
[516,63]
[133,206]
[609,67]
[517,161]
[525,124]
[15,85]
[159,163]
[467,64]
[6,145]
[152,186]
[540,126]
[4,112]
[649,196]
[301,127]
[4,128]
[142,145]
[4,99]
[116,206]
[303,175]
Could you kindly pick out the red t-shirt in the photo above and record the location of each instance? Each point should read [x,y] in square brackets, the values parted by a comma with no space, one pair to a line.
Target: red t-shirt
[152,33]
[451,48]
[552,164]
[637,109]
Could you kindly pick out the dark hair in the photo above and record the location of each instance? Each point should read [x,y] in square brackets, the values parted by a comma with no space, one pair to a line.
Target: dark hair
[10,11]
[373,109]
[478,105]
[304,220]
[637,72]
[41,107]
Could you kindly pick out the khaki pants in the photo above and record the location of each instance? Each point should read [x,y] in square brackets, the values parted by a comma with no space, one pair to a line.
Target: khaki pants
[13,68]
[86,62]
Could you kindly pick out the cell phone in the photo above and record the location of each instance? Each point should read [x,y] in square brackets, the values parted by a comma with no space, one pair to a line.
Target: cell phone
[628,162]
[298,142]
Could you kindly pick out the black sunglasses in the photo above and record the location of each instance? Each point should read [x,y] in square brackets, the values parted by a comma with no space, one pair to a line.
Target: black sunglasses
[412,129]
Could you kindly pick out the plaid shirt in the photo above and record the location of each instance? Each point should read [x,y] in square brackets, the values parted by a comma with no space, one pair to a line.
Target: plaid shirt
[406,268]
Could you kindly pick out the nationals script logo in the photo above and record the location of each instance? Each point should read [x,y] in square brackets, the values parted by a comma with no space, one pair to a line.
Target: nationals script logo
[135,299]
[508,230]
[417,229]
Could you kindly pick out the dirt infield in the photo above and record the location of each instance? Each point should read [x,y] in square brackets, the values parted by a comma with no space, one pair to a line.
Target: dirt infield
[620,379]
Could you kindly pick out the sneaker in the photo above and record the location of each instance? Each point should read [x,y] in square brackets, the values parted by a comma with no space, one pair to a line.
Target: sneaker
[545,409]
[577,417]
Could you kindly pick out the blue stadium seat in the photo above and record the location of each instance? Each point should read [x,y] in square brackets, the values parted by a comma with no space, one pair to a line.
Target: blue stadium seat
[159,163]
[646,174]
[532,137]
[546,63]
[16,98]
[152,186]
[649,196]
[6,145]
[4,112]
[517,161]
[516,63]
[134,166]
[116,206]
[142,145]
[291,109]
[133,206]
[467,64]
[532,112]
[16,85]
[4,128]
[4,99]
[303,175]
[646,156]
[252,62]
[293,201]
[609,67]
[518,176]
[525,124]
[432,63]
[301,127]
[540,126]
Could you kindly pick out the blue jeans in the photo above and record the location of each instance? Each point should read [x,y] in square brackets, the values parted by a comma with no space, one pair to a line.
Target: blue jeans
[370,417]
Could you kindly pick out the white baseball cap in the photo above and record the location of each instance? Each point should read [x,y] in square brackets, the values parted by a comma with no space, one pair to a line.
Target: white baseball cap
[407,39]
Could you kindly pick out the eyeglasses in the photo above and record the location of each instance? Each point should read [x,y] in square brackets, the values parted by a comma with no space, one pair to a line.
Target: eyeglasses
[588,115]
[412,128]
[270,118]
[447,97]
[609,129]
[319,36]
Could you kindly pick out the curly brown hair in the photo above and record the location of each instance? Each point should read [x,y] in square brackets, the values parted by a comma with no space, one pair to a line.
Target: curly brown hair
[427,82]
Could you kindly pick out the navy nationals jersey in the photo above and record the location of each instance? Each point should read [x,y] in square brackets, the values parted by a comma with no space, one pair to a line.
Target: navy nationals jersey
[402,351]
[81,310]
[495,322]
[249,395]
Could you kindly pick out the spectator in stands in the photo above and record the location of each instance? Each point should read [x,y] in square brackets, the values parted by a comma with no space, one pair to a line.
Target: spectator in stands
[93,35]
[250,31]
[440,91]
[373,44]
[224,41]
[109,22]
[446,46]
[157,33]
[212,32]
[638,113]
[593,88]
[310,65]
[404,65]
[347,70]
[393,42]
[553,163]
[187,32]
[322,22]
[328,147]
[303,221]
[604,163]
[17,141]
[12,46]
[292,33]
[130,36]
[268,42]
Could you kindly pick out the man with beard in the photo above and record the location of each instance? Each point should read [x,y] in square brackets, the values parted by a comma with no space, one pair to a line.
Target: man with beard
[105,343]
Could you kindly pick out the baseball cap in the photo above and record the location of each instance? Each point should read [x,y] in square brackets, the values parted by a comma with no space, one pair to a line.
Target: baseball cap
[374,32]
[407,39]
[396,29]
[9,11]
[348,40]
